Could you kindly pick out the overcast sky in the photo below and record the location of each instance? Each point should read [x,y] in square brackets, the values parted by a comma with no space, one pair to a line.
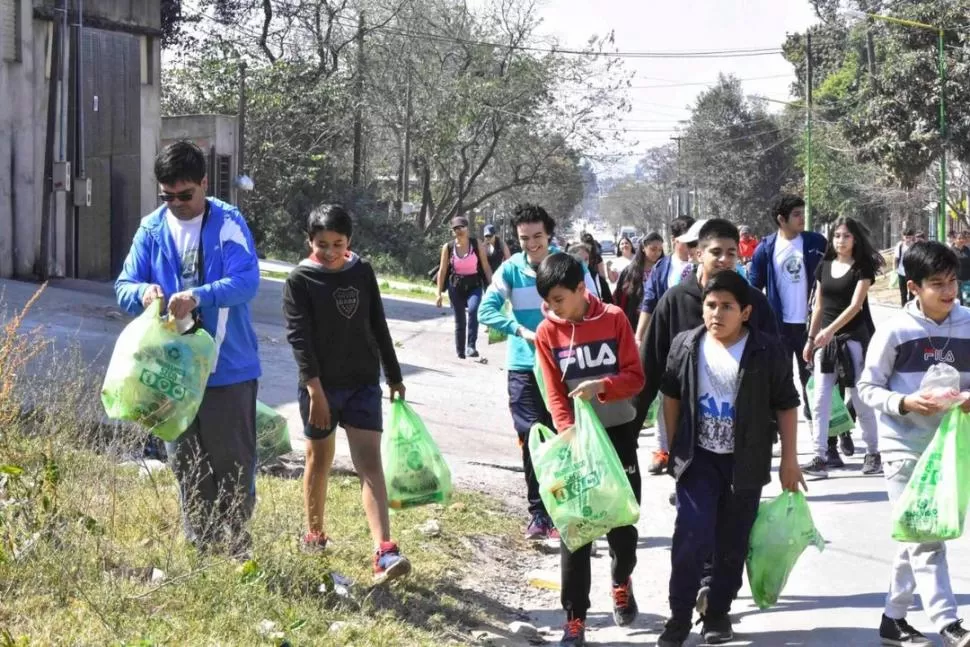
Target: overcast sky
[678,25]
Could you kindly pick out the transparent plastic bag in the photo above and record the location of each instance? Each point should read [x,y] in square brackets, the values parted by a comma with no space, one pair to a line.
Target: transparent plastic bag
[941,383]
[782,531]
[581,480]
[156,376]
[933,507]
[272,434]
[414,469]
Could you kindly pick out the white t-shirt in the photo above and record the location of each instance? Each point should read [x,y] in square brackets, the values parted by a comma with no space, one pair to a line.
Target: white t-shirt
[900,252]
[791,279]
[717,372]
[675,273]
[186,234]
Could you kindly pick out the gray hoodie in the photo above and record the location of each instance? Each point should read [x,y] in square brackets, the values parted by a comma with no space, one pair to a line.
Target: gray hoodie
[901,351]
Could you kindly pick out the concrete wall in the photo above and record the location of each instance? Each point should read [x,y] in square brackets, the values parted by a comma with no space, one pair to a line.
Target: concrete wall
[134,13]
[23,114]
[151,131]
[221,131]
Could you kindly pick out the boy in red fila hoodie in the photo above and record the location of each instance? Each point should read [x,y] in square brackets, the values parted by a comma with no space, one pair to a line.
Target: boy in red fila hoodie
[586,348]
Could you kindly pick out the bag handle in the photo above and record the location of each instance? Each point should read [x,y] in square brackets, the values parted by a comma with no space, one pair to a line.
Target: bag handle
[538,434]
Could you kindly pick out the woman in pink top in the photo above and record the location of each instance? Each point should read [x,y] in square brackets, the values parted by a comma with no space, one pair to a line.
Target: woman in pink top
[464,263]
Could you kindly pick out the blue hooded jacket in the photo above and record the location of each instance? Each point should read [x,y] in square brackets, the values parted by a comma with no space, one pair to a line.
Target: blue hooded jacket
[762,274]
[230,282]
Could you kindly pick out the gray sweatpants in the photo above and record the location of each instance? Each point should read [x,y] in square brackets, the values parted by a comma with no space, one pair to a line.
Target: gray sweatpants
[917,566]
[215,464]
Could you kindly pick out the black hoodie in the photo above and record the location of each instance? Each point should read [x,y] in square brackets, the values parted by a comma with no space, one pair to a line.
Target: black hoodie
[336,326]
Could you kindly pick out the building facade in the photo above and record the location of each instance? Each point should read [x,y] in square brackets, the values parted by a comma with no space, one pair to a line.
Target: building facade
[80,124]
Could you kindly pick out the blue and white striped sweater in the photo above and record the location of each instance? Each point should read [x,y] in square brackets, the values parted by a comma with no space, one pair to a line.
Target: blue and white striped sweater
[515,282]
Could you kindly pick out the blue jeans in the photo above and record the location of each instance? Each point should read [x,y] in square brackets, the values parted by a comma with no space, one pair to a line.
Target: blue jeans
[461,301]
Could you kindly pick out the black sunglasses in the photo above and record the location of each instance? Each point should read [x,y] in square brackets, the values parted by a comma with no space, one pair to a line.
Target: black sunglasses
[184,196]
[457,227]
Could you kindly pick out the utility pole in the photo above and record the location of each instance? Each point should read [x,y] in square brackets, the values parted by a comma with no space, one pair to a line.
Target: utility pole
[681,207]
[355,178]
[808,130]
[406,170]
[241,153]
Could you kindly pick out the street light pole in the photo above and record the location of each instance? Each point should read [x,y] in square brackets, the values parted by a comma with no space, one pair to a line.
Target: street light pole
[808,130]
[942,73]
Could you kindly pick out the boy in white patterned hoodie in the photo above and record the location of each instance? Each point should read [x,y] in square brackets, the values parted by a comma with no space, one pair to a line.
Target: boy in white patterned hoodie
[931,329]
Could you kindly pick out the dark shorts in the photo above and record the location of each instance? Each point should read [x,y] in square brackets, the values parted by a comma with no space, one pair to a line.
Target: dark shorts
[358,407]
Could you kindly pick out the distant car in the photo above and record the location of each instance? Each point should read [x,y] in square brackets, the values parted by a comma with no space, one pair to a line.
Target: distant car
[607,246]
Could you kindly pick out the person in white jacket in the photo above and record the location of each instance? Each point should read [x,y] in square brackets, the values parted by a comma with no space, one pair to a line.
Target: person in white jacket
[931,329]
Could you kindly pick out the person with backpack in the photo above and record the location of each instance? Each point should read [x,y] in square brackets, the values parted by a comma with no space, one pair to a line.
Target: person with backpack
[464,265]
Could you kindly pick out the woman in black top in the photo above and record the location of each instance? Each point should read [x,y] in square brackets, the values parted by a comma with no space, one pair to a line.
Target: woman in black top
[840,328]
[498,251]
[629,287]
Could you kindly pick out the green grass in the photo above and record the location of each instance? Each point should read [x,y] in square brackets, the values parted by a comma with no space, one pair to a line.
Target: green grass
[70,518]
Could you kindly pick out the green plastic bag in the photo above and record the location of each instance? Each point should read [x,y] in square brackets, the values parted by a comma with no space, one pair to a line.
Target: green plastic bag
[894,280]
[933,507]
[782,530]
[497,336]
[581,480]
[840,421]
[272,434]
[651,419]
[414,469]
[157,377]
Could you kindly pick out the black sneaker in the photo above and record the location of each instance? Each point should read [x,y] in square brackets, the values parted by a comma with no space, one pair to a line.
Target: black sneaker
[816,469]
[716,629]
[625,609]
[471,352]
[832,459]
[899,633]
[675,633]
[955,635]
[872,464]
[846,444]
[574,634]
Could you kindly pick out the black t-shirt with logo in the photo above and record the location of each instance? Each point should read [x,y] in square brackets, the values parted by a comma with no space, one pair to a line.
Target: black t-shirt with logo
[837,296]
[336,326]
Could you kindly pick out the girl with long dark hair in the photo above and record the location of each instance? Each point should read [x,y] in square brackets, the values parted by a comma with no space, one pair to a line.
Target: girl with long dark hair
[629,287]
[839,332]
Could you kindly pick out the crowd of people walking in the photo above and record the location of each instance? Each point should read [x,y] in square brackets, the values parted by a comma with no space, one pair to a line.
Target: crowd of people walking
[714,332]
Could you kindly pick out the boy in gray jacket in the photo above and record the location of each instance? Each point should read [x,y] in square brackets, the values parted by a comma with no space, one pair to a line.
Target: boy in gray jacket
[931,329]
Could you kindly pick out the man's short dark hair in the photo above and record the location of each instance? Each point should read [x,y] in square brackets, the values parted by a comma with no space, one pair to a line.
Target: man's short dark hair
[909,232]
[730,282]
[927,259]
[784,206]
[558,270]
[330,217]
[680,226]
[180,162]
[718,228]
[527,213]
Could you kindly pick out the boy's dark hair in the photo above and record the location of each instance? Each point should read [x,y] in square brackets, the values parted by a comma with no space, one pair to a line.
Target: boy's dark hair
[784,206]
[680,226]
[909,232]
[718,228]
[558,269]
[330,217]
[926,259]
[180,161]
[529,213]
[730,282]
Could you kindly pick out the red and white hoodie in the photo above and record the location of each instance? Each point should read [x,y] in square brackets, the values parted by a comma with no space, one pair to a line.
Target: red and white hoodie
[601,346]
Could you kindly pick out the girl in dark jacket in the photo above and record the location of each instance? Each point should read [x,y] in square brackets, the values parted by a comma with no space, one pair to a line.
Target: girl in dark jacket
[629,287]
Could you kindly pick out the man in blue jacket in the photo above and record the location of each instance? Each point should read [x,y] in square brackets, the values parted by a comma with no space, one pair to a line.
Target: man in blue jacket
[784,265]
[197,255]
